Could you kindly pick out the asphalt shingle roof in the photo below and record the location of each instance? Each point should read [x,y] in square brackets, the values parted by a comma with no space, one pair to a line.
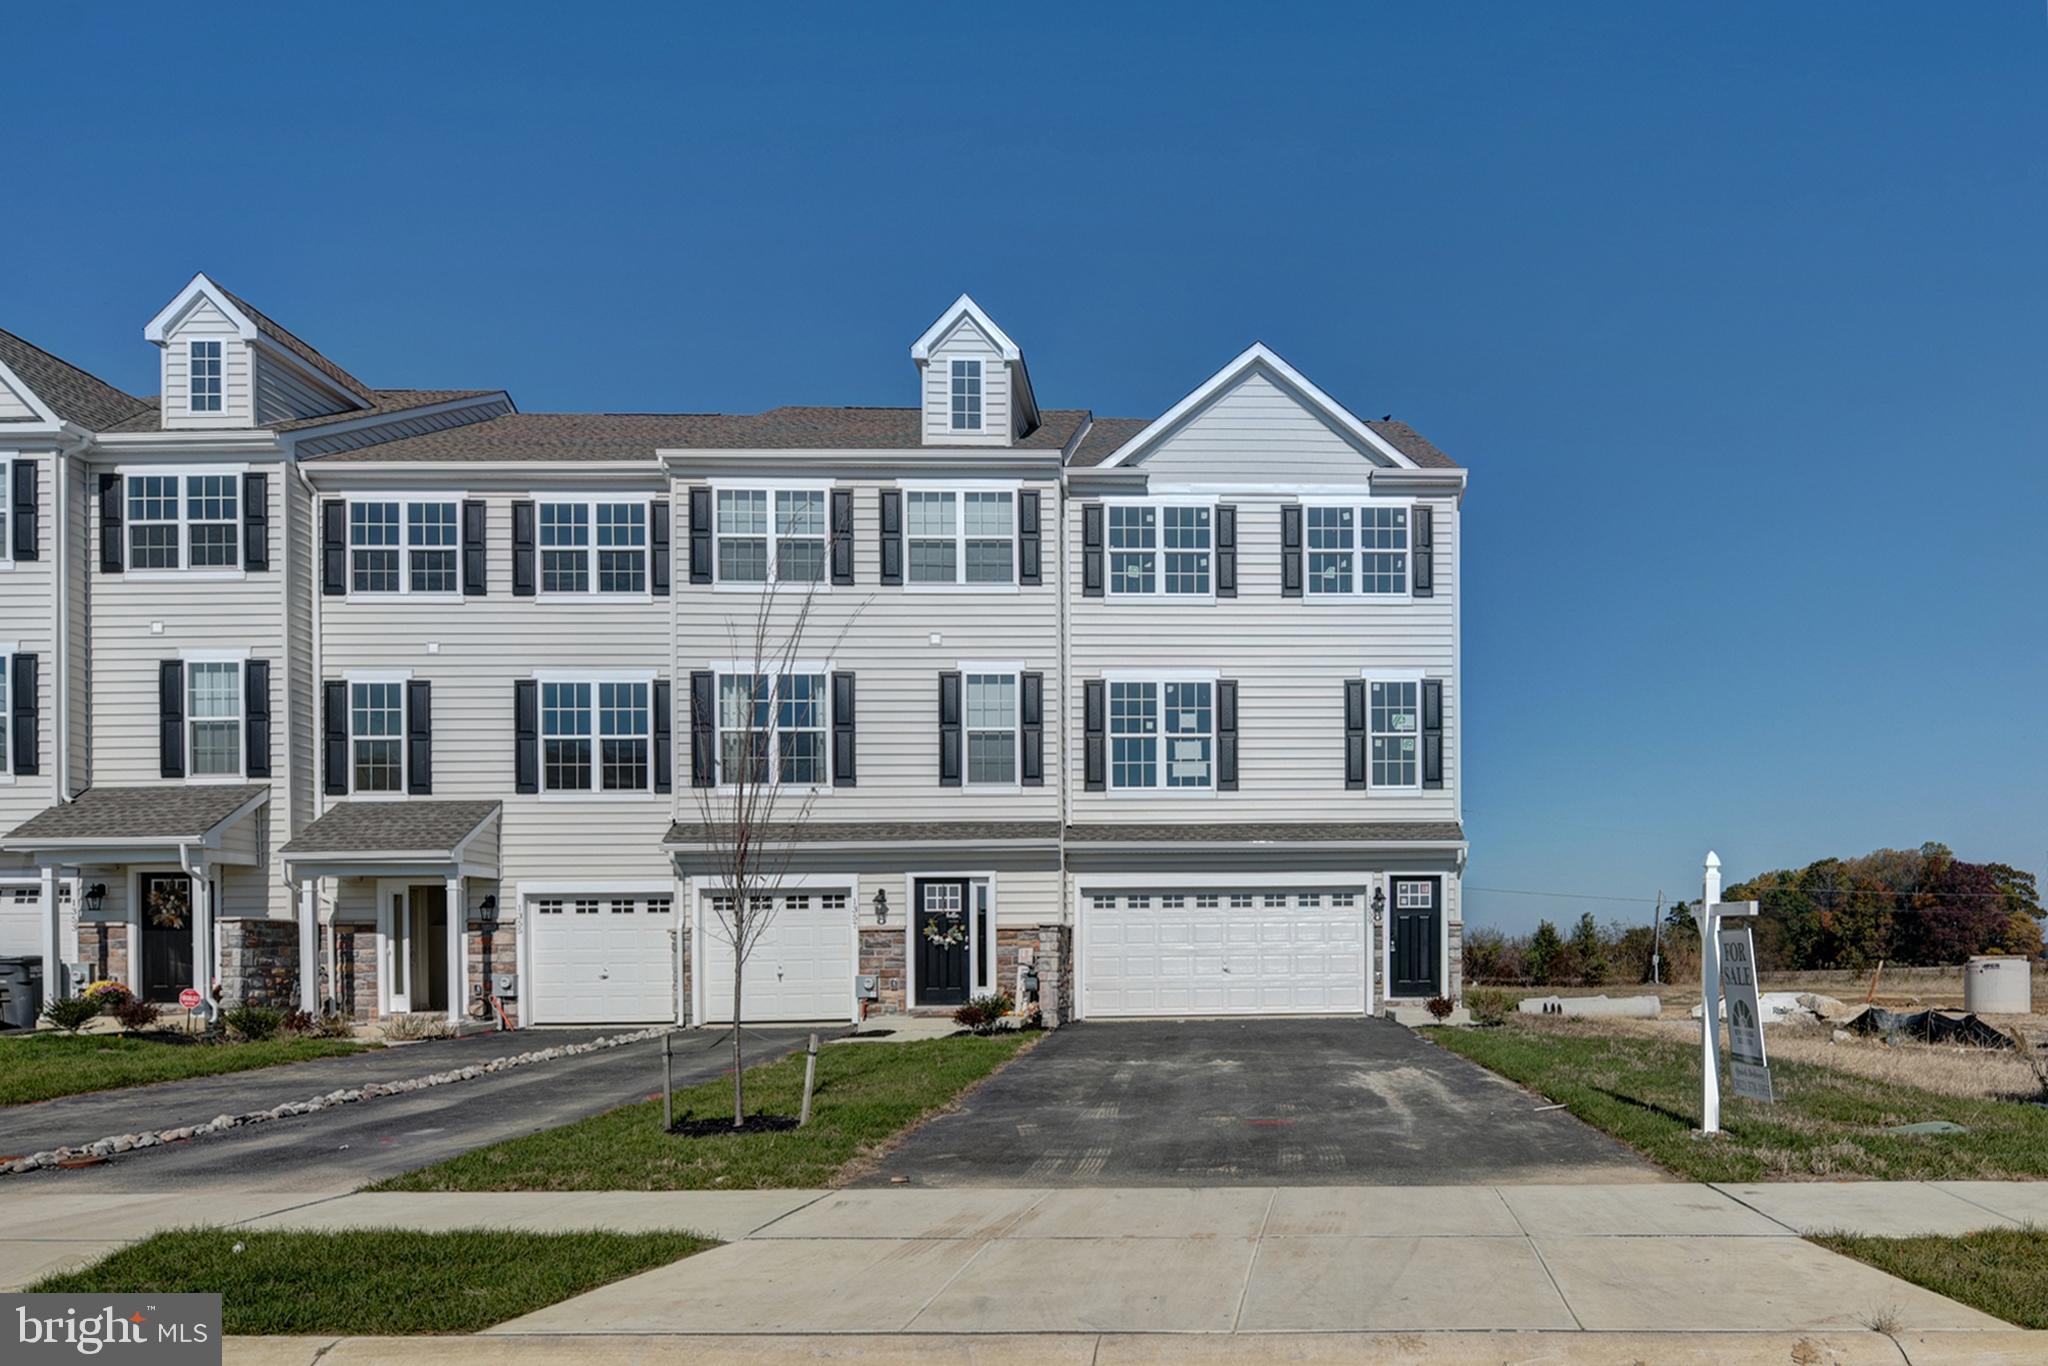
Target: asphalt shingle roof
[392,827]
[1292,832]
[70,392]
[879,832]
[165,812]
[1108,435]
[304,351]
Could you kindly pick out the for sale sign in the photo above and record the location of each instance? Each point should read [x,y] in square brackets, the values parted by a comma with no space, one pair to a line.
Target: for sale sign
[1748,1071]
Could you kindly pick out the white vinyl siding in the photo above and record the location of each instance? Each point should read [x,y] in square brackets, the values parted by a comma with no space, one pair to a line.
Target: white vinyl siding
[203,322]
[966,342]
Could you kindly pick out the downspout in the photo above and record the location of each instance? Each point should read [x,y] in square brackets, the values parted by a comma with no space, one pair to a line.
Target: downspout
[60,580]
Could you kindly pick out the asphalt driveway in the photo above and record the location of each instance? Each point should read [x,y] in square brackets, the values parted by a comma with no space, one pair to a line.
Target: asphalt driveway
[351,1145]
[1252,1102]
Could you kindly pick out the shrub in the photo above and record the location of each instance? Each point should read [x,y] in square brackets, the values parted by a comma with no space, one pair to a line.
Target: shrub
[70,1013]
[984,1014]
[136,1016]
[407,1028]
[335,1026]
[1545,954]
[1440,1007]
[1489,1007]
[109,995]
[300,1022]
[252,1024]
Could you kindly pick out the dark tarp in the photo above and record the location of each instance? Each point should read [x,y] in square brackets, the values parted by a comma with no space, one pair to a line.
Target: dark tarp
[1929,1026]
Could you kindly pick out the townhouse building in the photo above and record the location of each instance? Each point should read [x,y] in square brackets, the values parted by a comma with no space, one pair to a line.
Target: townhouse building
[378,700]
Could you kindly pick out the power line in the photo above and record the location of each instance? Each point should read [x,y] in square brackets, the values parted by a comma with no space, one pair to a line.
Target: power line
[1769,891]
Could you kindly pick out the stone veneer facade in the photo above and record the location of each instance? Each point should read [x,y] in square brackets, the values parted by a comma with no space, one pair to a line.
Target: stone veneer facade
[103,947]
[259,963]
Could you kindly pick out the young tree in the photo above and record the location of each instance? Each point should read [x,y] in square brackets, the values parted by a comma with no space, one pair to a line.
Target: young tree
[1590,951]
[1546,948]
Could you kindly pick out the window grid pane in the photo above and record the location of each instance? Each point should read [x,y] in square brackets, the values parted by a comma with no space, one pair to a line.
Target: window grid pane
[742,524]
[153,522]
[800,535]
[1395,761]
[565,737]
[991,728]
[1133,547]
[565,548]
[1189,733]
[205,377]
[214,706]
[623,716]
[1134,734]
[1186,541]
[376,726]
[373,547]
[213,509]
[430,527]
[966,395]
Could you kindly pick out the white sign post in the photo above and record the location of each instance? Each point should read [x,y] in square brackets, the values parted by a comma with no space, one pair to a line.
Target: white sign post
[1747,1067]
[1712,911]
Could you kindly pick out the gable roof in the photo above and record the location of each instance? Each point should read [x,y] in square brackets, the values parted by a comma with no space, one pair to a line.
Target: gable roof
[73,395]
[415,827]
[164,812]
[251,323]
[277,333]
[964,307]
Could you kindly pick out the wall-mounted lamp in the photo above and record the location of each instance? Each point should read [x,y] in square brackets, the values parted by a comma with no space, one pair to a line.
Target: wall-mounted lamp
[95,897]
[1379,905]
[881,905]
[488,907]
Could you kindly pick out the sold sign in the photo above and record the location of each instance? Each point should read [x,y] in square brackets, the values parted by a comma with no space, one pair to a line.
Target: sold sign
[189,998]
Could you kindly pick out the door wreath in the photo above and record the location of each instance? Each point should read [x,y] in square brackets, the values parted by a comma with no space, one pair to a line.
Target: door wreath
[953,933]
[170,908]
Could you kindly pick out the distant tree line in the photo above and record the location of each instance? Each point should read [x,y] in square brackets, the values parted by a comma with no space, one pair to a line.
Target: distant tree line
[1916,907]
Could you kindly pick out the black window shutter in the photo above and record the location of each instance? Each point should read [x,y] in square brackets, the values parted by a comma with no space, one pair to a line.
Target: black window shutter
[1094,765]
[1422,525]
[525,734]
[24,528]
[1226,551]
[419,737]
[949,730]
[1354,734]
[1030,545]
[256,716]
[664,736]
[333,548]
[892,536]
[1226,735]
[256,521]
[843,756]
[476,563]
[110,524]
[1031,728]
[842,536]
[522,552]
[703,716]
[26,706]
[170,718]
[657,547]
[334,737]
[1432,732]
[700,535]
[1290,550]
[1091,551]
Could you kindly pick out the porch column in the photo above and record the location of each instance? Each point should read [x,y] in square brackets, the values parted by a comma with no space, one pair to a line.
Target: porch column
[309,945]
[53,966]
[458,946]
[202,939]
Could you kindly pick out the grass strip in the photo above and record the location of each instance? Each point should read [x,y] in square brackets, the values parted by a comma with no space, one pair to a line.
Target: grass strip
[2000,1271]
[46,1066]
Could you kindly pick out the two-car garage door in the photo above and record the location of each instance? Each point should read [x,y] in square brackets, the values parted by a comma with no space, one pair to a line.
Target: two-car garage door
[1224,951]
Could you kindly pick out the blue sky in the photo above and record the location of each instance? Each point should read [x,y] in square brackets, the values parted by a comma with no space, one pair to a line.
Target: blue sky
[1734,310]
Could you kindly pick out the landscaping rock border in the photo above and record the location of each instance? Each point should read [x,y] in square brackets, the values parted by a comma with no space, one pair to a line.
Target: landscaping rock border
[123,1143]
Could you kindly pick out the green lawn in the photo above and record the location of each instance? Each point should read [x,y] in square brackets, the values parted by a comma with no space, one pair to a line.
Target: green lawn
[45,1065]
[866,1093]
[1826,1124]
[2000,1271]
[374,1281]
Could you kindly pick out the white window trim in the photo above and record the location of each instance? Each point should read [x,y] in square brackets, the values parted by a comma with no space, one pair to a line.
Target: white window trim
[719,672]
[1361,501]
[7,461]
[401,677]
[596,792]
[183,570]
[1158,789]
[960,584]
[980,365]
[192,345]
[1372,676]
[721,584]
[591,502]
[1015,673]
[240,659]
[8,649]
[405,547]
[1158,552]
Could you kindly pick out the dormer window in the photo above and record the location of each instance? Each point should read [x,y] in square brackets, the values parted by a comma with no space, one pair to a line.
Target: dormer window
[205,377]
[966,395]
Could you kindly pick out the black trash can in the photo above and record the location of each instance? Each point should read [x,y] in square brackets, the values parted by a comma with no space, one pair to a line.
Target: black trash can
[21,992]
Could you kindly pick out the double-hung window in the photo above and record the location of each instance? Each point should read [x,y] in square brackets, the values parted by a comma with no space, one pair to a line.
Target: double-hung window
[1162,734]
[991,728]
[213,718]
[593,546]
[184,521]
[771,535]
[1394,726]
[1160,548]
[596,736]
[1357,549]
[6,682]
[763,715]
[966,395]
[962,536]
[401,547]
[204,380]
[376,728]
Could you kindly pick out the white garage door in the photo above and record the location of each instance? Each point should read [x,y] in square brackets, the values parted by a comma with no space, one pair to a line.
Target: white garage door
[801,968]
[602,959]
[1223,952]
[21,921]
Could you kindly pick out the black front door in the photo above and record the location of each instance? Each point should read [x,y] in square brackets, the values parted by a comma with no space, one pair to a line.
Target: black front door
[942,942]
[1418,927]
[166,934]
